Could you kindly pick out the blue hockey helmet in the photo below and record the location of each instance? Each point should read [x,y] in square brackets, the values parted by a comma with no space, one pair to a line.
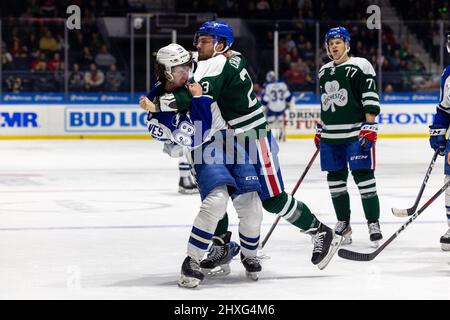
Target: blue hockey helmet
[219,30]
[337,32]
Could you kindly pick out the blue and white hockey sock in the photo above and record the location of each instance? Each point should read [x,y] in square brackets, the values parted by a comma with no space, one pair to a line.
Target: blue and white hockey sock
[198,243]
[212,210]
[184,168]
[249,245]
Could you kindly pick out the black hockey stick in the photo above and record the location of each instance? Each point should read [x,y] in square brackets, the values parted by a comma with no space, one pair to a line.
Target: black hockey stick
[308,166]
[357,256]
[410,211]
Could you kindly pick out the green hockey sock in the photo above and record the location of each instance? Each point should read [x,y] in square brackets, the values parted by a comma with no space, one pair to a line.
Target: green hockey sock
[337,183]
[295,212]
[222,226]
[341,204]
[365,180]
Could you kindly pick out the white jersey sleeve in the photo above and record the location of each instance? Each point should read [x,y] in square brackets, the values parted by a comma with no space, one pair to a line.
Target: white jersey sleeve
[444,99]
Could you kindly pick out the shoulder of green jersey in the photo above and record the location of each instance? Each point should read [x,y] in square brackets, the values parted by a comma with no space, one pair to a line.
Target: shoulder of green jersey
[328,65]
[362,63]
[210,68]
[235,53]
[236,61]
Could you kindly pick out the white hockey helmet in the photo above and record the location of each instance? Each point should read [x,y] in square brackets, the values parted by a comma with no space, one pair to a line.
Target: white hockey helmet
[270,76]
[171,56]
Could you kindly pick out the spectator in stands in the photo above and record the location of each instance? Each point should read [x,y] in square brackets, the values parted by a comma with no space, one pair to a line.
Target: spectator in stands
[54,63]
[78,43]
[7,59]
[285,63]
[388,88]
[114,79]
[298,75]
[309,52]
[48,42]
[18,51]
[94,78]
[14,84]
[48,10]
[104,58]
[88,20]
[43,83]
[262,8]
[31,41]
[39,64]
[86,58]
[283,47]
[76,79]
[59,76]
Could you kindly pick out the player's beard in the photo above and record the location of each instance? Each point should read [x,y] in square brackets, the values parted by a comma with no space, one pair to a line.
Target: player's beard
[202,56]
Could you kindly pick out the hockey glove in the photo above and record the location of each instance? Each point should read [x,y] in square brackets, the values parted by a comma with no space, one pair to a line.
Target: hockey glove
[318,135]
[437,139]
[368,134]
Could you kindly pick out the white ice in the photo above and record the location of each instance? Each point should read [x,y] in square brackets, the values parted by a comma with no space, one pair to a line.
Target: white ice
[102,219]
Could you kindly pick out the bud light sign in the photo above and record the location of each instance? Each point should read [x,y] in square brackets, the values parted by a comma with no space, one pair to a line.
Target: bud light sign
[105,119]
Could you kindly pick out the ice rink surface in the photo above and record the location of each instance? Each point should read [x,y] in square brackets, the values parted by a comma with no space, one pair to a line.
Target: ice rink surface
[102,219]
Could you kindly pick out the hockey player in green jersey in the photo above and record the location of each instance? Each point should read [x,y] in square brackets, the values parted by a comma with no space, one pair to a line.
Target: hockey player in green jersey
[349,105]
[223,75]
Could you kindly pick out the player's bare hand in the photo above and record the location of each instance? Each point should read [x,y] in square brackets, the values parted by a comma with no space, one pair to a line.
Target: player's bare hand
[195,89]
[146,104]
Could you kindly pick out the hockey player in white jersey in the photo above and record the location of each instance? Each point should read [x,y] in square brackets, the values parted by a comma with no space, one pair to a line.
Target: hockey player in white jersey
[438,140]
[276,98]
[202,128]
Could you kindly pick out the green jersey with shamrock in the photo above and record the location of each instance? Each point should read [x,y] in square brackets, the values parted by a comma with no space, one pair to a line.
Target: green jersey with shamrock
[227,81]
[347,92]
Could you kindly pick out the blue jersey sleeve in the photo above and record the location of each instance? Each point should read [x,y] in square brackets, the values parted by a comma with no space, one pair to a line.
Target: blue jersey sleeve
[156,90]
[187,130]
[441,119]
[201,112]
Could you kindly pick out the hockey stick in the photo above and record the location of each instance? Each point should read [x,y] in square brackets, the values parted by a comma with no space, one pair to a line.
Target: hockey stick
[357,256]
[410,211]
[308,166]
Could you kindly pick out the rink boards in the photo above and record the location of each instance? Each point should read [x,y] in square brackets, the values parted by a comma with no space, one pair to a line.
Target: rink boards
[127,121]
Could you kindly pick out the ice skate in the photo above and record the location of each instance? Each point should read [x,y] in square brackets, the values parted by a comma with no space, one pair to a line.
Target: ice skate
[325,243]
[222,251]
[191,274]
[375,233]
[187,185]
[445,241]
[344,229]
[252,267]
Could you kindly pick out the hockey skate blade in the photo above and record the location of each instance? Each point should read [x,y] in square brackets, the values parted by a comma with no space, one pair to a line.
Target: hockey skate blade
[252,275]
[186,191]
[217,272]
[401,213]
[374,244]
[445,246]
[335,243]
[261,255]
[347,240]
[188,282]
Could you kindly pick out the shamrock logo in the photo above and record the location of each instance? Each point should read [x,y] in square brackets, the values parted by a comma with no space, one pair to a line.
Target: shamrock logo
[333,96]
